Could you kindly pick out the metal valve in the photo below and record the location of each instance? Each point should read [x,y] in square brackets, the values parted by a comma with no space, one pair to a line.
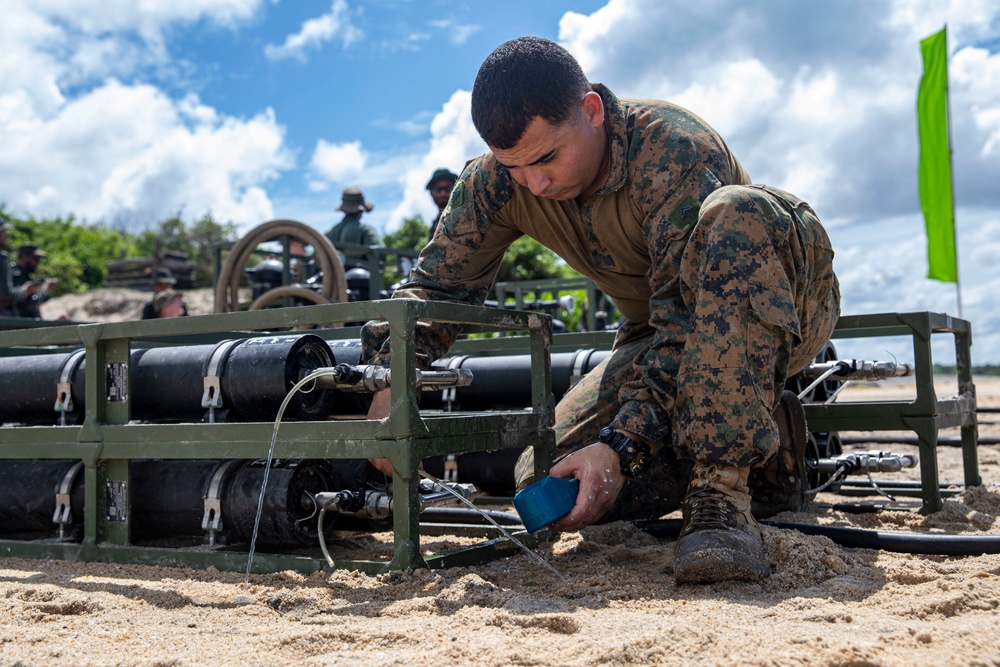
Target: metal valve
[377,504]
[376,378]
[864,462]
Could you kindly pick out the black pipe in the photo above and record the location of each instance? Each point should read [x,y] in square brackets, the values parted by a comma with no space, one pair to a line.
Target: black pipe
[167,383]
[504,382]
[859,538]
[28,490]
[491,472]
[28,388]
[889,440]
[469,516]
[500,382]
[168,499]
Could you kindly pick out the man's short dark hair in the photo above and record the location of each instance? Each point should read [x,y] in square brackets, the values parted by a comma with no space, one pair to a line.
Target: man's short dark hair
[522,79]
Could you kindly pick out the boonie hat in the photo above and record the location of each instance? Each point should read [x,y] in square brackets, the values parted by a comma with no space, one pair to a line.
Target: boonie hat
[441,175]
[354,202]
[31,250]
[165,275]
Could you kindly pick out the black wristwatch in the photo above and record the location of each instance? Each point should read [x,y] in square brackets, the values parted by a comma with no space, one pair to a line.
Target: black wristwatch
[633,455]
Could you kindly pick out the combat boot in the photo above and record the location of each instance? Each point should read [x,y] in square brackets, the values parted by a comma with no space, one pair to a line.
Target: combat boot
[781,484]
[720,539]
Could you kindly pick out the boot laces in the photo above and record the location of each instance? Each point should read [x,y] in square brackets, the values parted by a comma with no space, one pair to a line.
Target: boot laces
[708,509]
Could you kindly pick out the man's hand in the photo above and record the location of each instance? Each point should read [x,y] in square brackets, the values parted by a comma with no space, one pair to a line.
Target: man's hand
[379,409]
[601,480]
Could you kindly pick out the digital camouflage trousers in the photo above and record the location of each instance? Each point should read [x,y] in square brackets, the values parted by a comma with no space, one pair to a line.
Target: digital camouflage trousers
[757,276]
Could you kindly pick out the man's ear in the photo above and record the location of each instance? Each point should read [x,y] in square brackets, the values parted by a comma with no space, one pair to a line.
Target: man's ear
[592,107]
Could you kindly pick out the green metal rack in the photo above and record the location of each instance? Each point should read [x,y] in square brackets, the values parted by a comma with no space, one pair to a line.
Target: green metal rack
[926,414]
[106,440]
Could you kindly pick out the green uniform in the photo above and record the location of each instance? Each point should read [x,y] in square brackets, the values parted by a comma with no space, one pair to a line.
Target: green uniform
[352,230]
[6,287]
[726,287]
[26,305]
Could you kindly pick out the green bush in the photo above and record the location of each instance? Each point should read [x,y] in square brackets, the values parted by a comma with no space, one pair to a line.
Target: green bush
[78,253]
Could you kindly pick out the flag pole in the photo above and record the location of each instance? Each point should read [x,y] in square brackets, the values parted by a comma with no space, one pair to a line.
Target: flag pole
[951,175]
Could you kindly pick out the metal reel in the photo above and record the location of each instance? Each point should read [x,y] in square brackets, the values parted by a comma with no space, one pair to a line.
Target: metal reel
[820,445]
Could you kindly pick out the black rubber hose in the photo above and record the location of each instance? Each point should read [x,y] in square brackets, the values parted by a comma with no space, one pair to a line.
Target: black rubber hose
[465,515]
[858,538]
[910,440]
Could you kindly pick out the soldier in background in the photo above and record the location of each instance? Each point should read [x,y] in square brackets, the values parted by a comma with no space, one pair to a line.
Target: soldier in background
[351,230]
[6,286]
[163,282]
[30,293]
[440,186]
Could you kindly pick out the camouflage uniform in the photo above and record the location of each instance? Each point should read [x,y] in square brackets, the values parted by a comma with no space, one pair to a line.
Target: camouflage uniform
[352,230]
[24,304]
[726,287]
[6,287]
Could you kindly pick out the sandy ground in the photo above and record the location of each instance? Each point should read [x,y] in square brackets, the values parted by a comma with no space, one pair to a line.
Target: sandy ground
[118,304]
[617,605]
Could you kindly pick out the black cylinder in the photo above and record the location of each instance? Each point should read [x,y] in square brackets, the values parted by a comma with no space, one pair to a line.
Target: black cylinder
[504,382]
[168,499]
[261,371]
[167,383]
[500,382]
[288,516]
[491,472]
[28,388]
[28,491]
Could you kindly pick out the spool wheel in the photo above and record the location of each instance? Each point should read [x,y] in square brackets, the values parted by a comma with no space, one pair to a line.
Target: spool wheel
[267,297]
[227,288]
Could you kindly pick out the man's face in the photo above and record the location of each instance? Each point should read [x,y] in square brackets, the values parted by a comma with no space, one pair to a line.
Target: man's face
[564,161]
[30,262]
[441,190]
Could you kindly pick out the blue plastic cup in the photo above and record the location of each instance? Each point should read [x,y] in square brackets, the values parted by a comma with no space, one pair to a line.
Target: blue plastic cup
[545,501]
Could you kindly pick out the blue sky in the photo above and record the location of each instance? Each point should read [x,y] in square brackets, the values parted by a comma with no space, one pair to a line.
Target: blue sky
[127,112]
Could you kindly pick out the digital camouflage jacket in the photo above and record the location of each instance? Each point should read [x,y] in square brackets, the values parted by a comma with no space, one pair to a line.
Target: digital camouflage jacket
[628,238]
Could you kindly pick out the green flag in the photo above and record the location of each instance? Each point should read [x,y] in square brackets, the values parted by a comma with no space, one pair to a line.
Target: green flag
[935,160]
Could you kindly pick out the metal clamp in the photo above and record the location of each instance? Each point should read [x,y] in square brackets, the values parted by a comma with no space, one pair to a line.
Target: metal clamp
[211,521]
[212,396]
[449,395]
[64,386]
[580,360]
[63,515]
[450,468]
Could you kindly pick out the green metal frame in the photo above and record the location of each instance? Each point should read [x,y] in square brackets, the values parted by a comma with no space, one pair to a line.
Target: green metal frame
[106,440]
[927,413]
[518,289]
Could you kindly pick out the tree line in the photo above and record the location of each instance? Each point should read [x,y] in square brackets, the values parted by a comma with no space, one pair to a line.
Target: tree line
[79,252]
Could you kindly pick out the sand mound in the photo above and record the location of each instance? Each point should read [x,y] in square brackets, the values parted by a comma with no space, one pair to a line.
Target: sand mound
[116,304]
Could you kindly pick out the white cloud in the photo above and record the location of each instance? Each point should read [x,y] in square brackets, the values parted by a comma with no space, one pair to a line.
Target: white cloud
[91,159]
[116,151]
[735,95]
[337,163]
[820,100]
[454,141]
[458,33]
[314,32]
[976,74]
